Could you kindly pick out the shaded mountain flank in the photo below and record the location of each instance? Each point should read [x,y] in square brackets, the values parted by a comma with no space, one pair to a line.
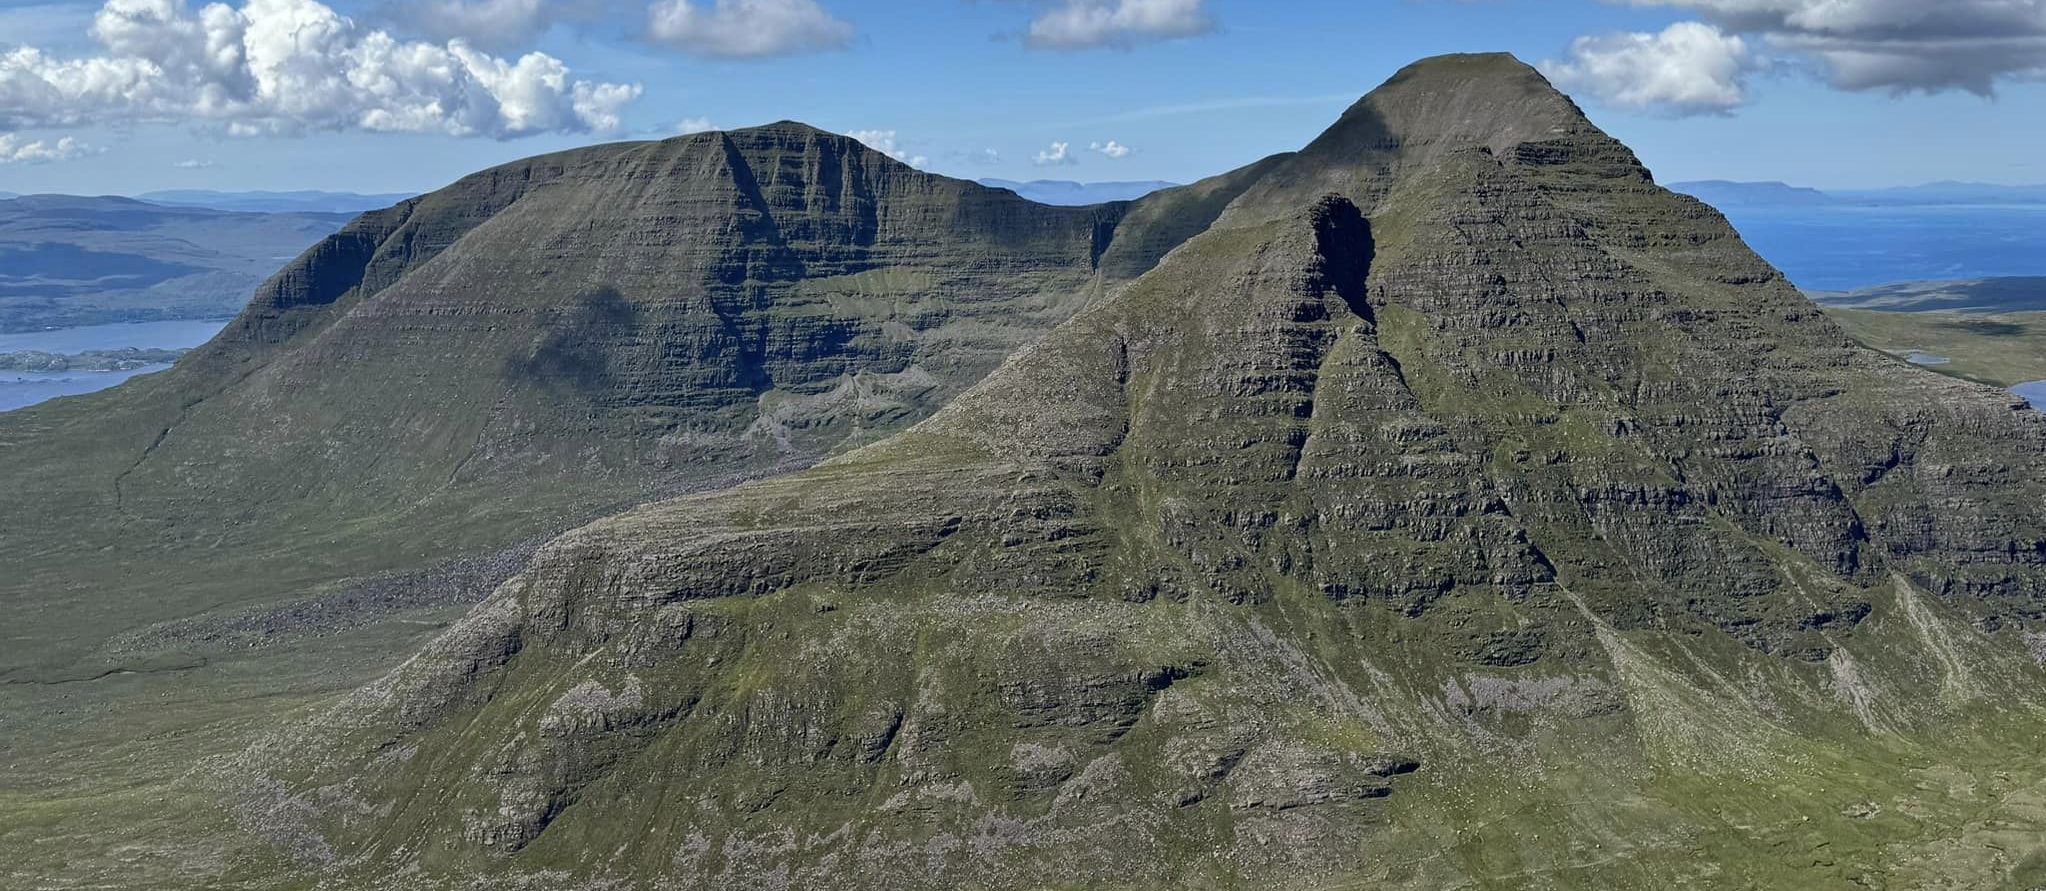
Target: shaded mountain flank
[1451,507]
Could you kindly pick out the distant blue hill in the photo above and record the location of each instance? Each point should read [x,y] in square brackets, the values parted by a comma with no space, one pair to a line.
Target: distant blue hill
[1066,192]
[276,202]
[1722,194]
[67,260]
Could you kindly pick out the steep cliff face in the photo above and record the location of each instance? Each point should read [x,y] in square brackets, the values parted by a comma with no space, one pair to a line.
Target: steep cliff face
[531,346]
[1460,509]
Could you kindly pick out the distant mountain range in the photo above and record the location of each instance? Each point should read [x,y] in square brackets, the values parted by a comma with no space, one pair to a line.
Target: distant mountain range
[277,202]
[1724,194]
[1721,193]
[67,260]
[1067,192]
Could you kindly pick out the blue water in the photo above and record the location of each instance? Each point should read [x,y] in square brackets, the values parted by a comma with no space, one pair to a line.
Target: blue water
[20,389]
[1844,247]
[2034,391]
[138,335]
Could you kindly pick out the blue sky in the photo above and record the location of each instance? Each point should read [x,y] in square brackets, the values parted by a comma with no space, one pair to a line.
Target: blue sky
[166,94]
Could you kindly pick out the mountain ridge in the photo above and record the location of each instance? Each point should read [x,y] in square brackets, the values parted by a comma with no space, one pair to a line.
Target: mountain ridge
[1457,504]
[322,334]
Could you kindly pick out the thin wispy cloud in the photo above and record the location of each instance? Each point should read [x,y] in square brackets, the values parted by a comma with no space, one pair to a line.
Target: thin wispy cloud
[1204,107]
[747,29]
[1087,24]
[490,24]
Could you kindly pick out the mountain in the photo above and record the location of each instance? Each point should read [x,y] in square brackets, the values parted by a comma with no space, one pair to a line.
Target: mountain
[277,202]
[1066,192]
[402,413]
[1459,509]
[1721,193]
[67,260]
[550,339]
[1441,505]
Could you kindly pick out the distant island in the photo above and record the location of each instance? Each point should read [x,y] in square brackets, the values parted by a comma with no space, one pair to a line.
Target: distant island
[92,360]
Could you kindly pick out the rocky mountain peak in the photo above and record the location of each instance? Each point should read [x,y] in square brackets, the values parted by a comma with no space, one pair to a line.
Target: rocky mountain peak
[1430,113]
[1489,99]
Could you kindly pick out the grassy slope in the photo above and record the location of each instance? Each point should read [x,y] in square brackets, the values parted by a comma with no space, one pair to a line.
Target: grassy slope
[2001,349]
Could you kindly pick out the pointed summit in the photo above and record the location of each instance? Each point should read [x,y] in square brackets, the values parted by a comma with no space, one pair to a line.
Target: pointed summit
[1490,103]
[1492,99]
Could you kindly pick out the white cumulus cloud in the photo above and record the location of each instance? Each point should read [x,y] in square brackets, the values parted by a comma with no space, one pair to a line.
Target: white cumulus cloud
[1898,45]
[687,126]
[740,29]
[286,66]
[1058,155]
[1687,68]
[16,150]
[1080,24]
[1111,149]
[884,141]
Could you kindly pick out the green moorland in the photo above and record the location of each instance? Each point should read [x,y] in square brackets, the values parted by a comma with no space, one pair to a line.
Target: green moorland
[1988,330]
[1992,348]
